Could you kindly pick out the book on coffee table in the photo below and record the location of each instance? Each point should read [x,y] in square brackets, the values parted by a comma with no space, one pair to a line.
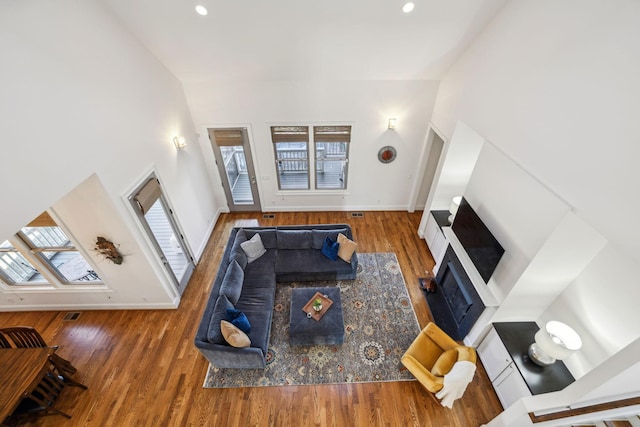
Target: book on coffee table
[317,315]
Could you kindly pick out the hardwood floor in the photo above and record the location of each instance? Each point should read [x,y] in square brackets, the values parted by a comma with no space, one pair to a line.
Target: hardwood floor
[142,368]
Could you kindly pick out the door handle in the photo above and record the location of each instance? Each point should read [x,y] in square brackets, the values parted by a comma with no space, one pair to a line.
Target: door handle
[253,180]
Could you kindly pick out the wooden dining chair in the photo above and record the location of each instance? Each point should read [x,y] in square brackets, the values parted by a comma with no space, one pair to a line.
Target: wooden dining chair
[41,400]
[4,343]
[28,337]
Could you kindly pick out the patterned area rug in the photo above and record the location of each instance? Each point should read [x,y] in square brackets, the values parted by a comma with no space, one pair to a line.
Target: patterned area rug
[379,321]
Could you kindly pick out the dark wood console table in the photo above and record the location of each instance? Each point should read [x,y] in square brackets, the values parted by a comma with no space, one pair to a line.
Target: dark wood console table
[516,337]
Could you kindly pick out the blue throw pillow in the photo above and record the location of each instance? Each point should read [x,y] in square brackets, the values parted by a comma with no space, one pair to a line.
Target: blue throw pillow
[239,320]
[330,248]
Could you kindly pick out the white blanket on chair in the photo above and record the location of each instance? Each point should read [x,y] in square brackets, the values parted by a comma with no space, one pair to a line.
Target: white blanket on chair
[455,382]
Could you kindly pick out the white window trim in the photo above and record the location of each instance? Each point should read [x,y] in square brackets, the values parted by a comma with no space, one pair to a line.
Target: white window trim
[311,155]
[53,283]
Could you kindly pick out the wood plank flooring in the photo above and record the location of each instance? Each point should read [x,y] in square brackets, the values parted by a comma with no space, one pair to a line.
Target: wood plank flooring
[142,368]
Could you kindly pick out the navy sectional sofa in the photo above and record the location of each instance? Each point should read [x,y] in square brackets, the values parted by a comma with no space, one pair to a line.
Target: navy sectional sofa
[293,253]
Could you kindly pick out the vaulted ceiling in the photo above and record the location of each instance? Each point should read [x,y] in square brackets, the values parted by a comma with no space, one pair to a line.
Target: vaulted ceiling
[250,40]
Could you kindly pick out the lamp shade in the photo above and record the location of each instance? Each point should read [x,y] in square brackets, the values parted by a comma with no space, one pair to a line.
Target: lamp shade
[558,340]
[453,207]
[455,204]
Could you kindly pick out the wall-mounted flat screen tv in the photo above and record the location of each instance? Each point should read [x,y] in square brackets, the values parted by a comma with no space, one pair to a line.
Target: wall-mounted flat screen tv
[476,239]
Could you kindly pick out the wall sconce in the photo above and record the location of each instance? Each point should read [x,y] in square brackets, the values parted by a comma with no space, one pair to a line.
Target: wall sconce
[392,123]
[180,142]
[554,341]
[453,208]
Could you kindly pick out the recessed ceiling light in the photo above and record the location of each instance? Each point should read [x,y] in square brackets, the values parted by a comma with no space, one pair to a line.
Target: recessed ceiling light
[201,10]
[408,7]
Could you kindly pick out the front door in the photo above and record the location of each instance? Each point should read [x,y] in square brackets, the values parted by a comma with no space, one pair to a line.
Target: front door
[235,165]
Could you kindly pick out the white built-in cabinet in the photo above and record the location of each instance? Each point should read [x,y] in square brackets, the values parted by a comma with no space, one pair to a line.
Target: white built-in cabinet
[501,369]
[435,238]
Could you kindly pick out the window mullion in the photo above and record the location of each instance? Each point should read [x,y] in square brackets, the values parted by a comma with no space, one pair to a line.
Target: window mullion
[311,154]
[44,268]
[54,249]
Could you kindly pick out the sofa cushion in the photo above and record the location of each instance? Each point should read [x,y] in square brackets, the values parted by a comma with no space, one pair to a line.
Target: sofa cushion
[257,304]
[236,250]
[294,239]
[238,319]
[214,334]
[268,237]
[445,362]
[233,335]
[318,236]
[347,247]
[253,248]
[330,248]
[263,266]
[232,283]
[307,263]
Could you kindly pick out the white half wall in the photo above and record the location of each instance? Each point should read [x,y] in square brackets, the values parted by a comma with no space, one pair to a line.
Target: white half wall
[83,98]
[553,85]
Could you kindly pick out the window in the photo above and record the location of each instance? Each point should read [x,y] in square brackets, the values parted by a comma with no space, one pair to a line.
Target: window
[330,157]
[291,145]
[15,268]
[41,253]
[332,148]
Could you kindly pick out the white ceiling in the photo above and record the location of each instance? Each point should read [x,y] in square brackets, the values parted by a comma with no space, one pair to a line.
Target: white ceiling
[305,40]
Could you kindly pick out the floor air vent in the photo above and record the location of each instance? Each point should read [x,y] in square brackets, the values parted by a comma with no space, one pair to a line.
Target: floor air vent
[71,316]
[268,216]
[357,214]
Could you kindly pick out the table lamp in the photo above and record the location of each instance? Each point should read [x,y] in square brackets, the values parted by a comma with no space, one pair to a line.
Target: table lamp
[453,208]
[554,341]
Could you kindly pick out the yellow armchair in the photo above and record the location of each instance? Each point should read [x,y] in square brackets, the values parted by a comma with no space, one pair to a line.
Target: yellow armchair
[432,355]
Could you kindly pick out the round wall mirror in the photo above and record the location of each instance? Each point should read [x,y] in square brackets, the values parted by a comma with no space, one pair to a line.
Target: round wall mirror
[387,154]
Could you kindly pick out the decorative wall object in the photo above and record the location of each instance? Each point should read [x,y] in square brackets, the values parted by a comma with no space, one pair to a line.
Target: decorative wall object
[387,154]
[109,250]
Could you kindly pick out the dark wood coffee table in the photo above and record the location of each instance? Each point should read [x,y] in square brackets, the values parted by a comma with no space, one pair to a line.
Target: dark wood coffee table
[303,330]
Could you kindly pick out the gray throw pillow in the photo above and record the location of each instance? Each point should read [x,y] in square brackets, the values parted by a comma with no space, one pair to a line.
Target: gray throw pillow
[253,248]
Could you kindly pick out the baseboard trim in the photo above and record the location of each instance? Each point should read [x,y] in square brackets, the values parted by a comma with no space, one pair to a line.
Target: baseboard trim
[337,208]
[208,234]
[88,307]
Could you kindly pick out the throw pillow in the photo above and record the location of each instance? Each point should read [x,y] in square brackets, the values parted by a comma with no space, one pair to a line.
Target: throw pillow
[317,236]
[239,319]
[445,362]
[232,283]
[234,336]
[330,248]
[253,248]
[347,247]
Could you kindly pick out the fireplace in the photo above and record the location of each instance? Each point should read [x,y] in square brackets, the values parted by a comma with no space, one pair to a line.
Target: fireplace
[455,305]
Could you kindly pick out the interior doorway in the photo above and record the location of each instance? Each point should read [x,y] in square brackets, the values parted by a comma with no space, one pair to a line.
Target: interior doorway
[235,165]
[433,159]
[157,218]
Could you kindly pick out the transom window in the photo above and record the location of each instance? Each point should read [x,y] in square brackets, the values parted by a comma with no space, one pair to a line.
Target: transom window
[41,253]
[330,156]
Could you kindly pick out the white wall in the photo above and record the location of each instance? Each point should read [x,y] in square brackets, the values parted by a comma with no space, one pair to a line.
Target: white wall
[82,97]
[460,156]
[367,105]
[554,86]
